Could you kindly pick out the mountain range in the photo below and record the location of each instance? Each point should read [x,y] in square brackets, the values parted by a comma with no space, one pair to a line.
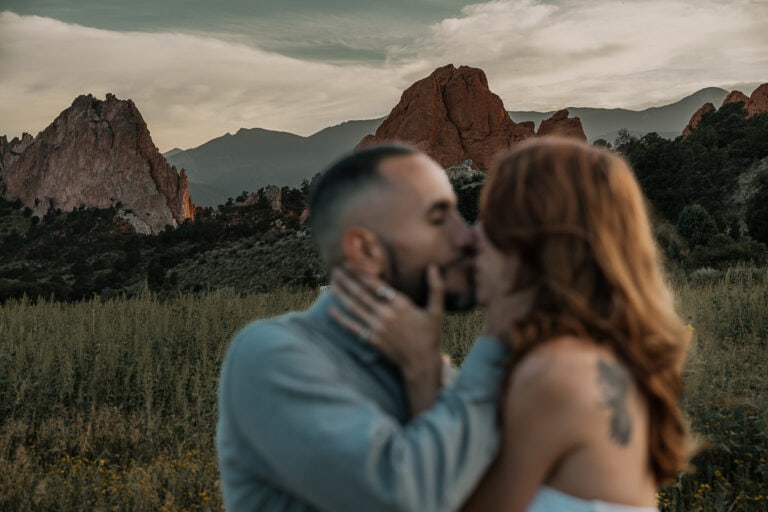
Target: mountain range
[604,123]
[253,158]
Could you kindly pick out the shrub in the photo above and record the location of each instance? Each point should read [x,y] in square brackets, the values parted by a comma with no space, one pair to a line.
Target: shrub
[696,225]
[756,216]
[722,251]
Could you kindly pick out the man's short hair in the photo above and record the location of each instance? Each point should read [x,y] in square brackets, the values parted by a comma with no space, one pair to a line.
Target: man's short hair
[333,191]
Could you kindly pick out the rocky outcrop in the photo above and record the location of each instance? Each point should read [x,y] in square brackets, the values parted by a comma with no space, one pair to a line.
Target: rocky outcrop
[735,97]
[452,116]
[97,153]
[758,101]
[755,104]
[463,171]
[271,194]
[562,125]
[10,152]
[696,118]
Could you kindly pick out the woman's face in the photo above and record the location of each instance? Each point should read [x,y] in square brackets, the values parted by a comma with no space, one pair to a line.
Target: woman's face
[495,271]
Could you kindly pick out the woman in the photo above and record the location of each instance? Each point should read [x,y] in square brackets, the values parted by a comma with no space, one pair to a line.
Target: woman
[569,272]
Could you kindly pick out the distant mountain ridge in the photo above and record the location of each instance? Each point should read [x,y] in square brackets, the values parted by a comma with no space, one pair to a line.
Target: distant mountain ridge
[253,158]
[604,123]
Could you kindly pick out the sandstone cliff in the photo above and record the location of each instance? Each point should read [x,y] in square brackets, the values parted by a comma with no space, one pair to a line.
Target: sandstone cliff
[696,118]
[560,124]
[272,194]
[758,101]
[735,97]
[453,117]
[11,151]
[96,153]
[755,104]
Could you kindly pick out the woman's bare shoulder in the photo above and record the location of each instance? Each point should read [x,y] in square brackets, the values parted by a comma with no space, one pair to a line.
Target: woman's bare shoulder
[566,368]
[552,395]
[558,357]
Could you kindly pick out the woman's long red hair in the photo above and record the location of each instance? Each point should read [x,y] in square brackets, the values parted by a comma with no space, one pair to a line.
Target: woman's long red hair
[576,217]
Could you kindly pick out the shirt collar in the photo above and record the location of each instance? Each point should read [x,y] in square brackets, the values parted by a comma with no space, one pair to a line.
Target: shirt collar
[320,314]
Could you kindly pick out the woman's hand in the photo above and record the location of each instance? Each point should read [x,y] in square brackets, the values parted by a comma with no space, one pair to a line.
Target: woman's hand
[407,335]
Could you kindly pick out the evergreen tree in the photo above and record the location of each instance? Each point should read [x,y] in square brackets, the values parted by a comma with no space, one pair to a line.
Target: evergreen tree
[756,216]
[696,225]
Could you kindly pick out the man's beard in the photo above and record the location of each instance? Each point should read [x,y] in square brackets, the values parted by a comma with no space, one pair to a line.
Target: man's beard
[417,287]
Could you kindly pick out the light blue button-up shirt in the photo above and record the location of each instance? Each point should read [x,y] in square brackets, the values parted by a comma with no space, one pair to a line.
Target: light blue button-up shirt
[312,418]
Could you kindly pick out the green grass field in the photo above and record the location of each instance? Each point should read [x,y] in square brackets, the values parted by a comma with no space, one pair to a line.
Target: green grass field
[111,405]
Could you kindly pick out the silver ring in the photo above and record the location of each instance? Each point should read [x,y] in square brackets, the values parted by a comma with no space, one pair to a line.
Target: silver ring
[386,293]
[365,333]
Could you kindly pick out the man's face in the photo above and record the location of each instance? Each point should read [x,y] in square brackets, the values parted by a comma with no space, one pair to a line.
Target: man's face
[421,225]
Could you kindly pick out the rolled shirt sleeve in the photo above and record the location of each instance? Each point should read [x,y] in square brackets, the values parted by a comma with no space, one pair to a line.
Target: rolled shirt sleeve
[326,443]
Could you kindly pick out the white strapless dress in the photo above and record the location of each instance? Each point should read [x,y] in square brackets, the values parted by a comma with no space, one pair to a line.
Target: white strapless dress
[548,499]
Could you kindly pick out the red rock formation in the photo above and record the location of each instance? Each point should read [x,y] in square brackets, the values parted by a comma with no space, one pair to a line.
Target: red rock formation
[97,153]
[188,208]
[272,194]
[560,124]
[696,118]
[735,97]
[758,101]
[10,151]
[452,116]
[523,130]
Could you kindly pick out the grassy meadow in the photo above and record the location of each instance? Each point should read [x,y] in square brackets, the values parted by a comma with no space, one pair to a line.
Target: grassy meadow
[110,405]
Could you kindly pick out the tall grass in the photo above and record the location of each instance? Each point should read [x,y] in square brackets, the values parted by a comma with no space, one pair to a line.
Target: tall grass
[111,405]
[726,392]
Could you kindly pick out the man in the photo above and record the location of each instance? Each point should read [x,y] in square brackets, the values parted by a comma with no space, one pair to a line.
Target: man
[312,417]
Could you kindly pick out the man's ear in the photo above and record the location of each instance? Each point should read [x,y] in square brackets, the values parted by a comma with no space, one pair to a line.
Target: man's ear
[363,251]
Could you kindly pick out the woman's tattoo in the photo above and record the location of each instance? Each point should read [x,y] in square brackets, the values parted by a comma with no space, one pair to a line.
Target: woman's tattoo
[614,382]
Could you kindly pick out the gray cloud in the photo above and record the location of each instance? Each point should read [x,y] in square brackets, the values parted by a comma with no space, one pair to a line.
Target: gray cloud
[199,77]
[597,53]
[189,88]
[336,30]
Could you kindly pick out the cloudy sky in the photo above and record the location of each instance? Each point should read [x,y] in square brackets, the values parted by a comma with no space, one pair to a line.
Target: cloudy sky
[198,68]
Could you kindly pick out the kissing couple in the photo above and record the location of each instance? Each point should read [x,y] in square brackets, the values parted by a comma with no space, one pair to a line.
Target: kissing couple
[568,400]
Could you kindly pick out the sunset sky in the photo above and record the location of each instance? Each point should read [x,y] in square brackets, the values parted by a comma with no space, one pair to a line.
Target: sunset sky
[198,69]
